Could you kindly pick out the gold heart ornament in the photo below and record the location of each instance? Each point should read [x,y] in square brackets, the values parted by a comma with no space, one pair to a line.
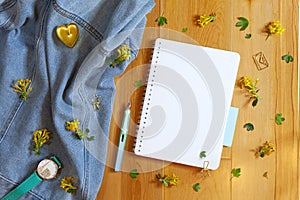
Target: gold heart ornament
[68,34]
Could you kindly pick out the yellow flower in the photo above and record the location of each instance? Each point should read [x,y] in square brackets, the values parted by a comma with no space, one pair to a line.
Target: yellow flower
[174,180]
[266,149]
[123,54]
[204,20]
[67,184]
[274,28]
[167,180]
[22,87]
[40,137]
[250,85]
[72,125]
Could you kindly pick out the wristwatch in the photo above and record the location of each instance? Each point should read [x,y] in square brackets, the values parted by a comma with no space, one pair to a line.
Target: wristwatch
[47,169]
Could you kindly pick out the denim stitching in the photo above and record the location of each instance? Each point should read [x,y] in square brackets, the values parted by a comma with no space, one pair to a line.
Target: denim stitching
[85,159]
[88,27]
[38,39]
[10,119]
[7,5]
[84,181]
[81,95]
[86,176]
[84,95]
[8,22]
[15,184]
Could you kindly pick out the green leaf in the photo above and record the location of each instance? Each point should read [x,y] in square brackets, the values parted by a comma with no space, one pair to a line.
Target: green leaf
[279,119]
[161,20]
[236,172]
[184,30]
[134,173]
[165,183]
[91,138]
[70,190]
[248,35]
[288,58]
[82,135]
[202,154]
[138,83]
[249,126]
[158,176]
[243,23]
[196,187]
[254,103]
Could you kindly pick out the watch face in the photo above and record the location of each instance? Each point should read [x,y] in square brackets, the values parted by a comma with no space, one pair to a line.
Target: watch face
[47,169]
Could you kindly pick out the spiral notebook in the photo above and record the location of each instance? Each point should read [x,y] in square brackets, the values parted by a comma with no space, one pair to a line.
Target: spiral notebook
[186,105]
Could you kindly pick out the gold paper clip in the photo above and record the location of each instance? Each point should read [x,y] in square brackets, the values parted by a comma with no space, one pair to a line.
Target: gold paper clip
[96,101]
[205,171]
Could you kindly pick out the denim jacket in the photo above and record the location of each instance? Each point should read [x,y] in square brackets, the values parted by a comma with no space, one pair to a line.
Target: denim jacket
[64,81]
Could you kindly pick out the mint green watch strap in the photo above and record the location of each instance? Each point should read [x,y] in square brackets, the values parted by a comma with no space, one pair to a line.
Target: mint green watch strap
[24,187]
[55,159]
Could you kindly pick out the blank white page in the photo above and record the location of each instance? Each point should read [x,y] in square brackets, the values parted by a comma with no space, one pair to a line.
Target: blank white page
[186,103]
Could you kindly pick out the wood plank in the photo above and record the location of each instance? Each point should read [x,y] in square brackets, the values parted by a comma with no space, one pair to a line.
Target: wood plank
[277,96]
[287,103]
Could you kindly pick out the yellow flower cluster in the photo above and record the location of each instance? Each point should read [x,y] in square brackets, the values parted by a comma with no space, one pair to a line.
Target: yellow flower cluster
[204,20]
[266,149]
[275,28]
[22,87]
[72,125]
[250,86]
[123,54]
[168,180]
[40,137]
[174,180]
[67,184]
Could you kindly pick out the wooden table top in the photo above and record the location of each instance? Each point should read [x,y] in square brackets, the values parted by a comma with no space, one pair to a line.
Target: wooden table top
[279,92]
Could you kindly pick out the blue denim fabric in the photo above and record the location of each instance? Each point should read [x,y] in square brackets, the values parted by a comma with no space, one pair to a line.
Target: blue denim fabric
[63,80]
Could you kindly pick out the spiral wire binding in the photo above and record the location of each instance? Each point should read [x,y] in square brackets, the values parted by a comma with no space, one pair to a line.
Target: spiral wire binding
[146,101]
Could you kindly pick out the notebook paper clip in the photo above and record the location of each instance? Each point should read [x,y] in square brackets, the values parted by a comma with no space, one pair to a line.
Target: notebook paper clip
[205,171]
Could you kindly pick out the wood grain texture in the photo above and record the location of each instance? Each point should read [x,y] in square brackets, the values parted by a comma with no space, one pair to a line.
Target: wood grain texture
[279,92]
